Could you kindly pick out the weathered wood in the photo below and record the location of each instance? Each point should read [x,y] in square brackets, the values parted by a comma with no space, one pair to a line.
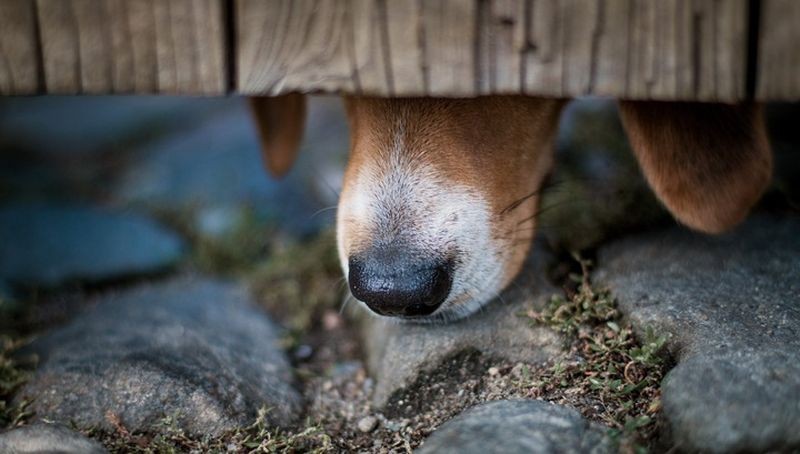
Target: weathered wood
[779,51]
[635,49]
[669,49]
[142,46]
[287,45]
[19,70]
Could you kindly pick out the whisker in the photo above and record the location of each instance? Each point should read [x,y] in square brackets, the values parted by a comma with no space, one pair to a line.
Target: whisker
[347,299]
[516,204]
[322,210]
[324,181]
[342,283]
[547,208]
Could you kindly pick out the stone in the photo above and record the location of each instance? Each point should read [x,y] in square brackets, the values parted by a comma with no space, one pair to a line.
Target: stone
[216,170]
[730,306]
[399,353]
[95,124]
[47,438]
[784,137]
[518,426]
[88,140]
[48,244]
[367,424]
[596,191]
[191,349]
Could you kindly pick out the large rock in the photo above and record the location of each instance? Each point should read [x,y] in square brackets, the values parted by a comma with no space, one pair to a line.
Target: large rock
[47,438]
[49,244]
[399,353]
[730,305]
[190,349]
[74,146]
[59,125]
[518,426]
[217,168]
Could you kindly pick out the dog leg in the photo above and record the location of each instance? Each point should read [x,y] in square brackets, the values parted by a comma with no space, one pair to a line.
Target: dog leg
[280,121]
[708,163]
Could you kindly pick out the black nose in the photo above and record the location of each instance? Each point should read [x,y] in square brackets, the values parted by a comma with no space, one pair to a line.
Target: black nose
[393,282]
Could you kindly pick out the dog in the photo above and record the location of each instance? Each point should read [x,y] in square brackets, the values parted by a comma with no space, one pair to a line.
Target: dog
[440,195]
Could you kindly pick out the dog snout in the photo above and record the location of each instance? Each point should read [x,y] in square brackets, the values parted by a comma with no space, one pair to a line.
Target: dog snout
[395,283]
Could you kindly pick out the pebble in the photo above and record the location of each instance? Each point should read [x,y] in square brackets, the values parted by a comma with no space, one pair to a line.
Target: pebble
[367,424]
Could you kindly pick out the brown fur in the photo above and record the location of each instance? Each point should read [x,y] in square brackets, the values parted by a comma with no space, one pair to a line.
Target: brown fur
[280,121]
[708,163]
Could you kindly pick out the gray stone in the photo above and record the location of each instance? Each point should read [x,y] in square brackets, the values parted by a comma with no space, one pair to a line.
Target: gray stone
[191,349]
[217,168]
[518,426]
[398,353]
[49,244]
[730,304]
[91,124]
[367,424]
[597,190]
[47,438]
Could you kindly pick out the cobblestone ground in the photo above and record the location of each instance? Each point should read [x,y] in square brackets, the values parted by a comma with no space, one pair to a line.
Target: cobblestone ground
[160,293]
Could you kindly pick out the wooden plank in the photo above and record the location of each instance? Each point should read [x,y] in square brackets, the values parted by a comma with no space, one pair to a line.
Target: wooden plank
[639,49]
[501,34]
[778,74]
[408,63]
[288,45]
[381,47]
[669,49]
[370,52]
[450,49]
[124,46]
[19,71]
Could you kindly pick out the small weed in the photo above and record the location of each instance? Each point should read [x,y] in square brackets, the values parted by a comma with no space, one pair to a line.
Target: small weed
[608,366]
[256,438]
[584,306]
[13,374]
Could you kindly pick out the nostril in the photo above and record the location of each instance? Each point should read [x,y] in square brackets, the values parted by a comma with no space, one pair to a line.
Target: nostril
[398,284]
[440,282]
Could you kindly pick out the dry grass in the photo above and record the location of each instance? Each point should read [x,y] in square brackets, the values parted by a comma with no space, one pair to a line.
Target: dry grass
[256,438]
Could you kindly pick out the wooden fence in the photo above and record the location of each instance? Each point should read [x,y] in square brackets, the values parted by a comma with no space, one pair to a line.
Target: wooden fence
[710,50]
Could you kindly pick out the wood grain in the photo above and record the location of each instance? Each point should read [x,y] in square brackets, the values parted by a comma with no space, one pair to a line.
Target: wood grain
[669,49]
[288,45]
[633,49]
[778,73]
[126,46]
[19,70]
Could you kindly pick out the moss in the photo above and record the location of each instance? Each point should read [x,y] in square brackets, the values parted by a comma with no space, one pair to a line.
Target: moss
[240,248]
[607,367]
[298,281]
